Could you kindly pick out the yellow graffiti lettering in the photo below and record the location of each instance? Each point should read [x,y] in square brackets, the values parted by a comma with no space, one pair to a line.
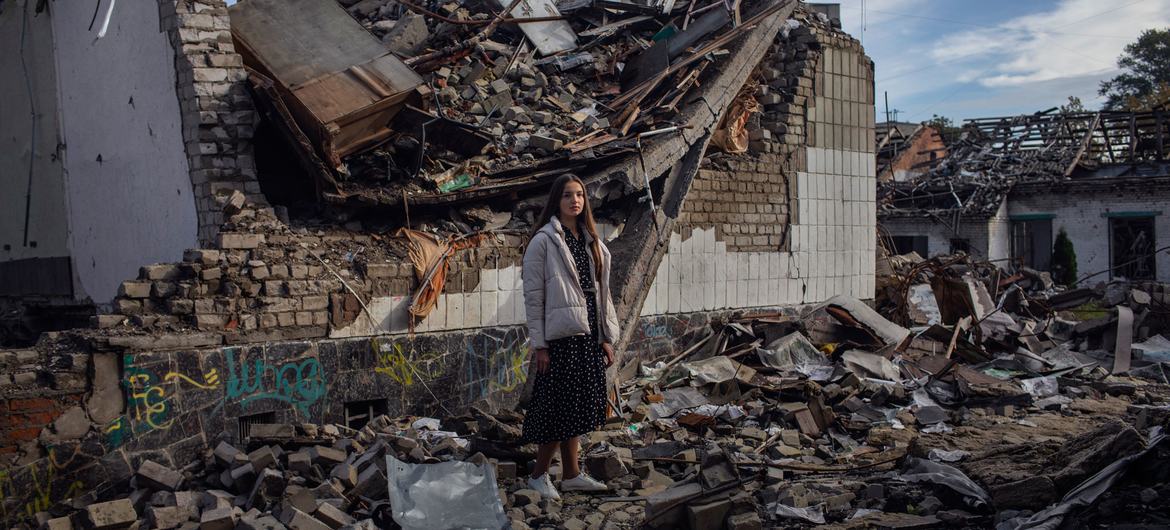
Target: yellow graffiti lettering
[510,364]
[147,410]
[394,362]
[210,379]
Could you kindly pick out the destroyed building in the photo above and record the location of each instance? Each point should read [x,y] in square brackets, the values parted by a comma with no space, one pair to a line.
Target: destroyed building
[1009,185]
[268,237]
[906,151]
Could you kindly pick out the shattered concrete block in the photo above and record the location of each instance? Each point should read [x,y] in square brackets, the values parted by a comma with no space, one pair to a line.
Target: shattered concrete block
[332,516]
[113,514]
[225,454]
[298,520]
[605,466]
[708,515]
[544,142]
[134,289]
[218,519]
[300,462]
[262,458]
[153,475]
[346,474]
[525,497]
[60,523]
[745,521]
[326,456]
[166,517]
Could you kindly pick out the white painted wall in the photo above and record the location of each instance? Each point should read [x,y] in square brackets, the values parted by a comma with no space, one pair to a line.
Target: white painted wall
[1083,218]
[118,102]
[47,234]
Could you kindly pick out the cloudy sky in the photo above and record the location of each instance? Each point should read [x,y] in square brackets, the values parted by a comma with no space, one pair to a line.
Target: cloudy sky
[972,58]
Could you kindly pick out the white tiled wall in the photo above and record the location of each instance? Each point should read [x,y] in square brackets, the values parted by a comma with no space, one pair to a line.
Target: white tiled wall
[498,300]
[833,242]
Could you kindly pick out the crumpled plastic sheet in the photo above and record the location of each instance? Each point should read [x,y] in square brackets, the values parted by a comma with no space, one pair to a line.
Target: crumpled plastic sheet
[812,514]
[919,470]
[717,370]
[432,437]
[426,423]
[1041,387]
[727,412]
[444,495]
[1084,494]
[676,399]
[938,428]
[861,512]
[791,351]
[942,455]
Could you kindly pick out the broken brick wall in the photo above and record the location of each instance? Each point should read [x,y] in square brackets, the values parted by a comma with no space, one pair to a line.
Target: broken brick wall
[915,157]
[218,117]
[791,221]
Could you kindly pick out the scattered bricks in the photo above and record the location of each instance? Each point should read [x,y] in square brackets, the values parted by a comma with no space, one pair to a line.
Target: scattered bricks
[259,272]
[745,521]
[225,454]
[157,476]
[299,498]
[376,271]
[232,240]
[299,462]
[326,456]
[295,519]
[370,482]
[331,516]
[525,497]
[544,142]
[218,519]
[266,522]
[166,517]
[234,203]
[160,271]
[127,307]
[107,321]
[113,514]
[262,458]
[272,431]
[269,487]
[60,523]
[134,289]
[181,306]
[708,515]
[506,470]
[346,474]
[202,256]
[605,466]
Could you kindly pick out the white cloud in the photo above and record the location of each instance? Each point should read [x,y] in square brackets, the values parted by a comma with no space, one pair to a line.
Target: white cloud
[1074,39]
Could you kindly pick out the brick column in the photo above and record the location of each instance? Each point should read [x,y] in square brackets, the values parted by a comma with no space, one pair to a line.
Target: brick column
[217,111]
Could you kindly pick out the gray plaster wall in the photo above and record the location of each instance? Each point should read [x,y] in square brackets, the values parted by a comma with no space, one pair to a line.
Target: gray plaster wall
[47,230]
[127,186]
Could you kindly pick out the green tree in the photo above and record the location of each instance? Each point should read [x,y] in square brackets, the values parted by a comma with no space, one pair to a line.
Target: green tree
[1145,80]
[945,127]
[1064,259]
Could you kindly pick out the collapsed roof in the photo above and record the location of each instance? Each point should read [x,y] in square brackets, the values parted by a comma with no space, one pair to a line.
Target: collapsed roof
[993,155]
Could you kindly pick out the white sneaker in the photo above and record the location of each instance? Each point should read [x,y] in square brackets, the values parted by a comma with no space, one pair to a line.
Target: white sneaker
[583,482]
[544,486]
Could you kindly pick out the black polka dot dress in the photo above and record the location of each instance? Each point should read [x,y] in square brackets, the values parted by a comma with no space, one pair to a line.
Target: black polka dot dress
[569,399]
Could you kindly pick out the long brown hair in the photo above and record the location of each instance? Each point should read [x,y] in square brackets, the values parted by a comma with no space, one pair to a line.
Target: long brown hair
[553,208]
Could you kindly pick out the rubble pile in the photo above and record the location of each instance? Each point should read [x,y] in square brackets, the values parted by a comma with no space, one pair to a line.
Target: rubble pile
[550,88]
[835,415]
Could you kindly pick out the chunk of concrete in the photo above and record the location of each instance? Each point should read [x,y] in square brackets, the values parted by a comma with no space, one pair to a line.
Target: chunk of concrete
[166,517]
[332,516]
[218,519]
[113,514]
[298,520]
[156,476]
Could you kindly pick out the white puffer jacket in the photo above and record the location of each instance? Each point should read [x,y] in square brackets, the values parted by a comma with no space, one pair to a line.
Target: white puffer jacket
[553,300]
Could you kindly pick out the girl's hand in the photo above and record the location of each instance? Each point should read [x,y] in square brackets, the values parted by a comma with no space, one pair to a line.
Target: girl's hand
[608,349]
[540,360]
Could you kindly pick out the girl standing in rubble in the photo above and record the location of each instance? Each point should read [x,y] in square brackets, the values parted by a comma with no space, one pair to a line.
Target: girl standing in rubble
[572,326]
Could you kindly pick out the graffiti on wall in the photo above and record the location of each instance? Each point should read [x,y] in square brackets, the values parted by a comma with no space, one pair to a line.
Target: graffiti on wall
[46,491]
[300,383]
[404,366]
[495,363]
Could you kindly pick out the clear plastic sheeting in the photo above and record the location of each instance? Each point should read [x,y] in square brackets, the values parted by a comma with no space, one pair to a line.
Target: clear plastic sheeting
[942,455]
[789,352]
[444,496]
[1041,387]
[864,364]
[676,399]
[717,370]
[812,514]
[919,470]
